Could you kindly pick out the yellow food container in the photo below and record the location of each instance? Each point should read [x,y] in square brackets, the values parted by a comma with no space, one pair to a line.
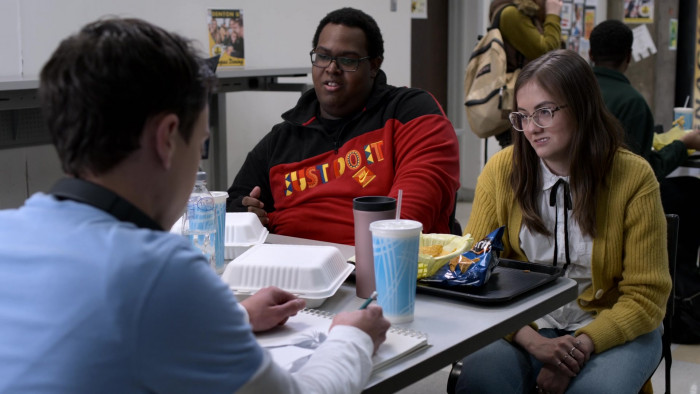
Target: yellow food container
[663,139]
[452,246]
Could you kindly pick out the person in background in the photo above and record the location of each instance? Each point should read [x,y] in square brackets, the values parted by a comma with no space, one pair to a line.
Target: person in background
[236,27]
[601,222]
[611,53]
[577,23]
[351,135]
[530,29]
[95,295]
[213,29]
[225,40]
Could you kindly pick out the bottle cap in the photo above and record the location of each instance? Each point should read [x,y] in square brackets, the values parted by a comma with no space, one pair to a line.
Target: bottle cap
[201,176]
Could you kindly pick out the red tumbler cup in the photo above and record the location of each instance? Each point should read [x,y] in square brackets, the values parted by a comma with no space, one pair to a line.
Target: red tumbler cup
[366,210]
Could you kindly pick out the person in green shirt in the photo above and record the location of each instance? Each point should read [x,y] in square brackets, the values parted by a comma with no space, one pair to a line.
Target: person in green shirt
[611,53]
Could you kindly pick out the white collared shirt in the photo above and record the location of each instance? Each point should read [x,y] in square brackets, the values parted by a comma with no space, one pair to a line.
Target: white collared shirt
[539,248]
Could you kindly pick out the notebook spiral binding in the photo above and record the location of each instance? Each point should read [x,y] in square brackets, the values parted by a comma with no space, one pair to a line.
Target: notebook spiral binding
[408,332]
[398,330]
[318,312]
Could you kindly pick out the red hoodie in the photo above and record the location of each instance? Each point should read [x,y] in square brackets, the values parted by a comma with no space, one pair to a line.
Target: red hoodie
[309,175]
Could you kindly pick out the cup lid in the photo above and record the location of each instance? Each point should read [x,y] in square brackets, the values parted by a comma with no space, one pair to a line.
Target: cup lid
[374,203]
[398,227]
[219,196]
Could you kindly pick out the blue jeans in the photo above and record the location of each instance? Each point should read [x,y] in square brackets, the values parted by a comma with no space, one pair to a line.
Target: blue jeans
[502,367]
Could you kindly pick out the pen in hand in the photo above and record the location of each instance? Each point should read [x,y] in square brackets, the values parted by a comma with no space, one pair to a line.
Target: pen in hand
[369,300]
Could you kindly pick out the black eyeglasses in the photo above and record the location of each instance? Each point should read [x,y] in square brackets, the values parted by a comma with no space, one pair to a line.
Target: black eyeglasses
[343,63]
[542,117]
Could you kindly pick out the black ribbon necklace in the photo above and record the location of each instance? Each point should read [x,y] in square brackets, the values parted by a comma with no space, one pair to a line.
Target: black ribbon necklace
[567,207]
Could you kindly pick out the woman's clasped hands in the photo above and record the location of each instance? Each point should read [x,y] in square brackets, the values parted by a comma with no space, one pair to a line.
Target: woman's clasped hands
[563,358]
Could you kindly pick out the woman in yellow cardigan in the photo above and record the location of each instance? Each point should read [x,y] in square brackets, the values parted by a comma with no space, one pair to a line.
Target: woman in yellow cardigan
[571,196]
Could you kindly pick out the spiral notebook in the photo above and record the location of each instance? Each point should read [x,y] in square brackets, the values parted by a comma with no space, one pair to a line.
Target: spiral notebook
[293,343]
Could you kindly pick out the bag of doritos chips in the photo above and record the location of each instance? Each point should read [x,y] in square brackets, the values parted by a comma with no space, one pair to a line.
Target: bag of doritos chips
[473,267]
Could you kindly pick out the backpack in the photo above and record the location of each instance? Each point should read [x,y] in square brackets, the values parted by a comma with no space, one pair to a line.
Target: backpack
[488,87]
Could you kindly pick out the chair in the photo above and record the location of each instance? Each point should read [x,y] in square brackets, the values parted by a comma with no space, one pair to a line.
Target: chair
[454,376]
[672,245]
[455,226]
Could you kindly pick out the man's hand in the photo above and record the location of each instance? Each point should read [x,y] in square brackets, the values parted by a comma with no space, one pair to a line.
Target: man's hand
[692,140]
[553,7]
[369,320]
[253,203]
[271,307]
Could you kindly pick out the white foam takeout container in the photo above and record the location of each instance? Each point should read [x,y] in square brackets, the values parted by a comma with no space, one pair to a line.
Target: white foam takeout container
[311,272]
[243,230]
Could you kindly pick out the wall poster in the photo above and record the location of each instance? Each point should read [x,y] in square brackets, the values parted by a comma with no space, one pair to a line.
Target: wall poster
[419,9]
[638,11]
[567,12]
[673,34]
[577,22]
[226,36]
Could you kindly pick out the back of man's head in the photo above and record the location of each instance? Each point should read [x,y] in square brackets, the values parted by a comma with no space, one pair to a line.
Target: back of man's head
[101,85]
[351,17]
[611,43]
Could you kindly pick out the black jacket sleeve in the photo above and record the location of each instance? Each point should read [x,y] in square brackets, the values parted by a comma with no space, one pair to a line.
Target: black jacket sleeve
[254,172]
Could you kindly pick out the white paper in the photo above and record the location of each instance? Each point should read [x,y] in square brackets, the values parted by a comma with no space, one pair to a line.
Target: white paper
[643,46]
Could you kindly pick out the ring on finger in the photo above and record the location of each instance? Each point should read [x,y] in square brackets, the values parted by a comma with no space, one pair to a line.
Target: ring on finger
[571,352]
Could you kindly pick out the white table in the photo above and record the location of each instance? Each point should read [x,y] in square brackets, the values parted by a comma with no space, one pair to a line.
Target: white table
[236,80]
[455,328]
[19,95]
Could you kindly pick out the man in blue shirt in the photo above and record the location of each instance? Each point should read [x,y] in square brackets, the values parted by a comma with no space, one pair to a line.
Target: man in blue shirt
[94,296]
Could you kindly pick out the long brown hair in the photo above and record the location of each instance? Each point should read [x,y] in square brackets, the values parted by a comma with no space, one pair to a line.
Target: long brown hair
[596,137]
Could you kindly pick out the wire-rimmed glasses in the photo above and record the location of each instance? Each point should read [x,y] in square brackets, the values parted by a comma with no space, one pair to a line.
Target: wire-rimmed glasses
[542,117]
[344,63]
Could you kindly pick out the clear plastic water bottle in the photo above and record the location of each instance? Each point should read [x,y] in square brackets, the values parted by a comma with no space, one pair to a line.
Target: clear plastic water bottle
[199,221]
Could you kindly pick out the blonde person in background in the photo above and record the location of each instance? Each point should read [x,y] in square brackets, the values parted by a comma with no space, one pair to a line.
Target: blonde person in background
[213,27]
[530,29]
[571,196]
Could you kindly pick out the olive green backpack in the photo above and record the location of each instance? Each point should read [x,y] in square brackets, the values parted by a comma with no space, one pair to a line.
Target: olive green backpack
[488,88]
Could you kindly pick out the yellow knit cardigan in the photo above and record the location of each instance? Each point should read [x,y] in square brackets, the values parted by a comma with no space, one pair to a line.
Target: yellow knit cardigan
[629,261]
